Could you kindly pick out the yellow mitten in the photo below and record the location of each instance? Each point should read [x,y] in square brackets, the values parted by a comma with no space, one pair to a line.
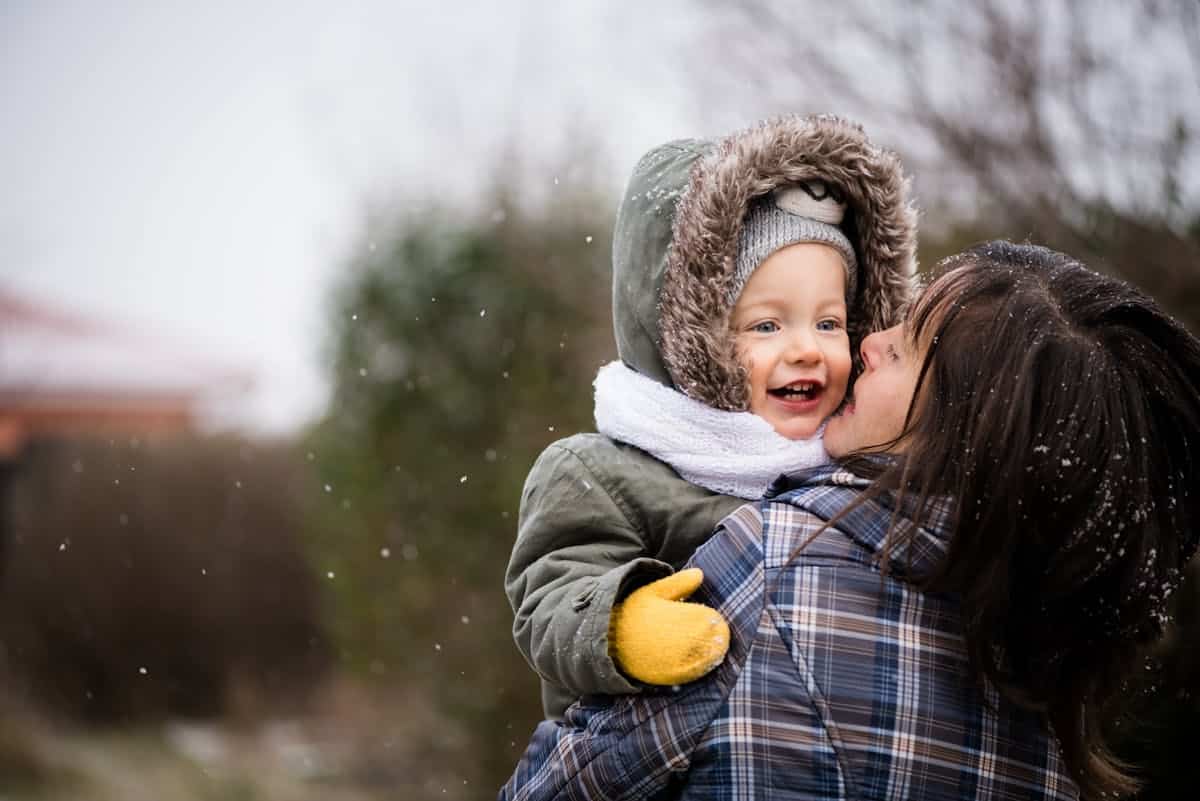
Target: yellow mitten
[657,638]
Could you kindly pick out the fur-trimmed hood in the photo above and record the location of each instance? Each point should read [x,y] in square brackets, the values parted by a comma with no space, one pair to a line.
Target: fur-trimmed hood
[676,240]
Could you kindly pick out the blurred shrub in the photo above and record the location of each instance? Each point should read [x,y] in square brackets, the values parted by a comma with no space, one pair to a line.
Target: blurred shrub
[461,347]
[146,578]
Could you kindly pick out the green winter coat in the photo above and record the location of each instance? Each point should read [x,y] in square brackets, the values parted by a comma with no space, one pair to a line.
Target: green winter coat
[599,518]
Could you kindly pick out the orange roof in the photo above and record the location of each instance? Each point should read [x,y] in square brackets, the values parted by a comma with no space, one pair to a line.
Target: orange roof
[65,372]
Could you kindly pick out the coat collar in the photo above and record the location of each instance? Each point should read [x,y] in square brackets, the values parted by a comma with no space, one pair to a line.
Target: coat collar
[829,491]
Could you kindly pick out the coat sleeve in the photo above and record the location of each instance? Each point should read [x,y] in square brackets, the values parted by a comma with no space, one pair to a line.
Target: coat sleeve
[577,553]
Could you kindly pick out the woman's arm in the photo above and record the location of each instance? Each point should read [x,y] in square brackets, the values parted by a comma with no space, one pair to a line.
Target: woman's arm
[639,747]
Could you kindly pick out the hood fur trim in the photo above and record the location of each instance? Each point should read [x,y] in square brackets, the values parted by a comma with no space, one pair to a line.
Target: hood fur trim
[695,337]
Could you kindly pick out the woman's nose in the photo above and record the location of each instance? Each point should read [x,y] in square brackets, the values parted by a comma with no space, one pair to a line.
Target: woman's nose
[873,344]
[871,347]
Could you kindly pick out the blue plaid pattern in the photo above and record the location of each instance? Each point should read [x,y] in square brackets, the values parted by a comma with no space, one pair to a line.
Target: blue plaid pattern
[840,682]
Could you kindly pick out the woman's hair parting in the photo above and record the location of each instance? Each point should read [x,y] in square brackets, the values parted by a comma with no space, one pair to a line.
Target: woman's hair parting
[1059,409]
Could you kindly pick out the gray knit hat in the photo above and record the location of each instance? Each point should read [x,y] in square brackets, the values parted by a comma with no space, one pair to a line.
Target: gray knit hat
[804,212]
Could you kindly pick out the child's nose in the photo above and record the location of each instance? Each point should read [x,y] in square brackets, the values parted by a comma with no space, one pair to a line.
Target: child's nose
[804,348]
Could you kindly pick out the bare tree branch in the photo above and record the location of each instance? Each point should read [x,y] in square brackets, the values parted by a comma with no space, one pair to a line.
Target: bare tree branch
[1054,113]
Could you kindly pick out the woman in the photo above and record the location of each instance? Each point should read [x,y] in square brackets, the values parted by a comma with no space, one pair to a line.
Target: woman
[949,612]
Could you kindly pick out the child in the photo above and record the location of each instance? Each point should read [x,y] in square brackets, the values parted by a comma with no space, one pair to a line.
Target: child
[734,266]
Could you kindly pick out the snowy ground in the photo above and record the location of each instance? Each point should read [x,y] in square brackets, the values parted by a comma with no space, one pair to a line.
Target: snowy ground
[351,749]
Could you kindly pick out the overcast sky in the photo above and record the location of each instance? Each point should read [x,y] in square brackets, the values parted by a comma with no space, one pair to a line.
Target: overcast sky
[200,169]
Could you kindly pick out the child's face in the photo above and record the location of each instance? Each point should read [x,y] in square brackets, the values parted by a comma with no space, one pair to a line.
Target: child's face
[790,329]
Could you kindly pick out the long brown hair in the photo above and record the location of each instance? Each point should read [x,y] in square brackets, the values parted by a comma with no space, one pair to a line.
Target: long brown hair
[1060,410]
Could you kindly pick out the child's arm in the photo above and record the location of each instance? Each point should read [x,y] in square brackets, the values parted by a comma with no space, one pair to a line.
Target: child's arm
[576,553]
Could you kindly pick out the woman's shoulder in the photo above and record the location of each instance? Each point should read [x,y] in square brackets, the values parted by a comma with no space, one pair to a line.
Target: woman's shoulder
[803,518]
[831,513]
[790,524]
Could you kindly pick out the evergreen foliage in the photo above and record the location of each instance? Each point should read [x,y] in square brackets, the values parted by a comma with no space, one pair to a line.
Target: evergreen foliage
[460,348]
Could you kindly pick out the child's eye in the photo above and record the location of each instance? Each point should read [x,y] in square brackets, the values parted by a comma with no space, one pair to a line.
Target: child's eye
[829,325]
[765,327]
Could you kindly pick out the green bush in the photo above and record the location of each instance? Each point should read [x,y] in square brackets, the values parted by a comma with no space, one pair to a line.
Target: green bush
[145,578]
[461,347]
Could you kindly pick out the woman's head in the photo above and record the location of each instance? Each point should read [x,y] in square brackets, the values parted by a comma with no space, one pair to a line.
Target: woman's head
[1021,374]
[1060,410]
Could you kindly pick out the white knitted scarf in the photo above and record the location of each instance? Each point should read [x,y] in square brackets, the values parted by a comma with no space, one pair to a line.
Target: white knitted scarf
[733,453]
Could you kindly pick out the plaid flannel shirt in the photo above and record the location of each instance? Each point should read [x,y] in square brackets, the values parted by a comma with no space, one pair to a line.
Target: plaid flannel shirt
[839,683]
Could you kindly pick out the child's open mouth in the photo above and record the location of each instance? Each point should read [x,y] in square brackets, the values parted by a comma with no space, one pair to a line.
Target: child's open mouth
[798,394]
